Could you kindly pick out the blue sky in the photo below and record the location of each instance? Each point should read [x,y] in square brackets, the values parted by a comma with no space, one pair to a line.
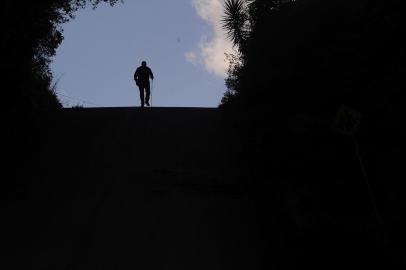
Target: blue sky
[181,40]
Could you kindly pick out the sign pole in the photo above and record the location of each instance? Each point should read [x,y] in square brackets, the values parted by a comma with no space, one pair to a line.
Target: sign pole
[365,175]
[347,123]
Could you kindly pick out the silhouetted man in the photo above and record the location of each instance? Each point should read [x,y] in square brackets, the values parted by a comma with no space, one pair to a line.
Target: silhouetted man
[141,77]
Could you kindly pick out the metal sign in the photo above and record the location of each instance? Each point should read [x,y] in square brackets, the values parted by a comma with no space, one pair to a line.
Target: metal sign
[347,121]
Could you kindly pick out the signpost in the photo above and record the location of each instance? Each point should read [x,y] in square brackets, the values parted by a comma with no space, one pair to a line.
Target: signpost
[347,123]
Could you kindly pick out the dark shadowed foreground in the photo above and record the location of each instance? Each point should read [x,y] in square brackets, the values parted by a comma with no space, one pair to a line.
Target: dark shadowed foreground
[167,188]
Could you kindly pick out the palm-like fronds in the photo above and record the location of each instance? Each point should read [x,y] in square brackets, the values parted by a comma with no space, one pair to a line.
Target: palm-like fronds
[235,22]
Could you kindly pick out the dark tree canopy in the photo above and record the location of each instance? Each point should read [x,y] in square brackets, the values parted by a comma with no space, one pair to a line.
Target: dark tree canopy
[313,55]
[30,36]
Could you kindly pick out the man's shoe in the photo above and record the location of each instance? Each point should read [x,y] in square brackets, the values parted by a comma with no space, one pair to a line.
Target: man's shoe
[147,103]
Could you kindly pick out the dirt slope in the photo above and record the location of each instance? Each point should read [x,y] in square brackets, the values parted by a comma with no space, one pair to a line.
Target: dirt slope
[120,188]
[162,188]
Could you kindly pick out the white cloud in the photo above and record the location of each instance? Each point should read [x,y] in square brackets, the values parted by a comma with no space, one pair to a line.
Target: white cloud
[213,45]
[191,57]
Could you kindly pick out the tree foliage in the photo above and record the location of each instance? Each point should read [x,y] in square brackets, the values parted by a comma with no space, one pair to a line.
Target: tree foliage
[31,34]
[310,56]
[235,22]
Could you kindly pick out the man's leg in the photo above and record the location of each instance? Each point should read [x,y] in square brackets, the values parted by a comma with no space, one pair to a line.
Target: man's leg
[148,92]
[141,88]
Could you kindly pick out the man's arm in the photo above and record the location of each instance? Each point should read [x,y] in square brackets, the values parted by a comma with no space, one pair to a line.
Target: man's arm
[151,74]
[136,77]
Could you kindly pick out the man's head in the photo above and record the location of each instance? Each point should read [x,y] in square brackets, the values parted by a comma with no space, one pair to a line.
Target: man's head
[144,64]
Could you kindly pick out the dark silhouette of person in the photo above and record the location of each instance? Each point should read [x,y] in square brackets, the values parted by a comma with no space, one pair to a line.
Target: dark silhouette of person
[141,77]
